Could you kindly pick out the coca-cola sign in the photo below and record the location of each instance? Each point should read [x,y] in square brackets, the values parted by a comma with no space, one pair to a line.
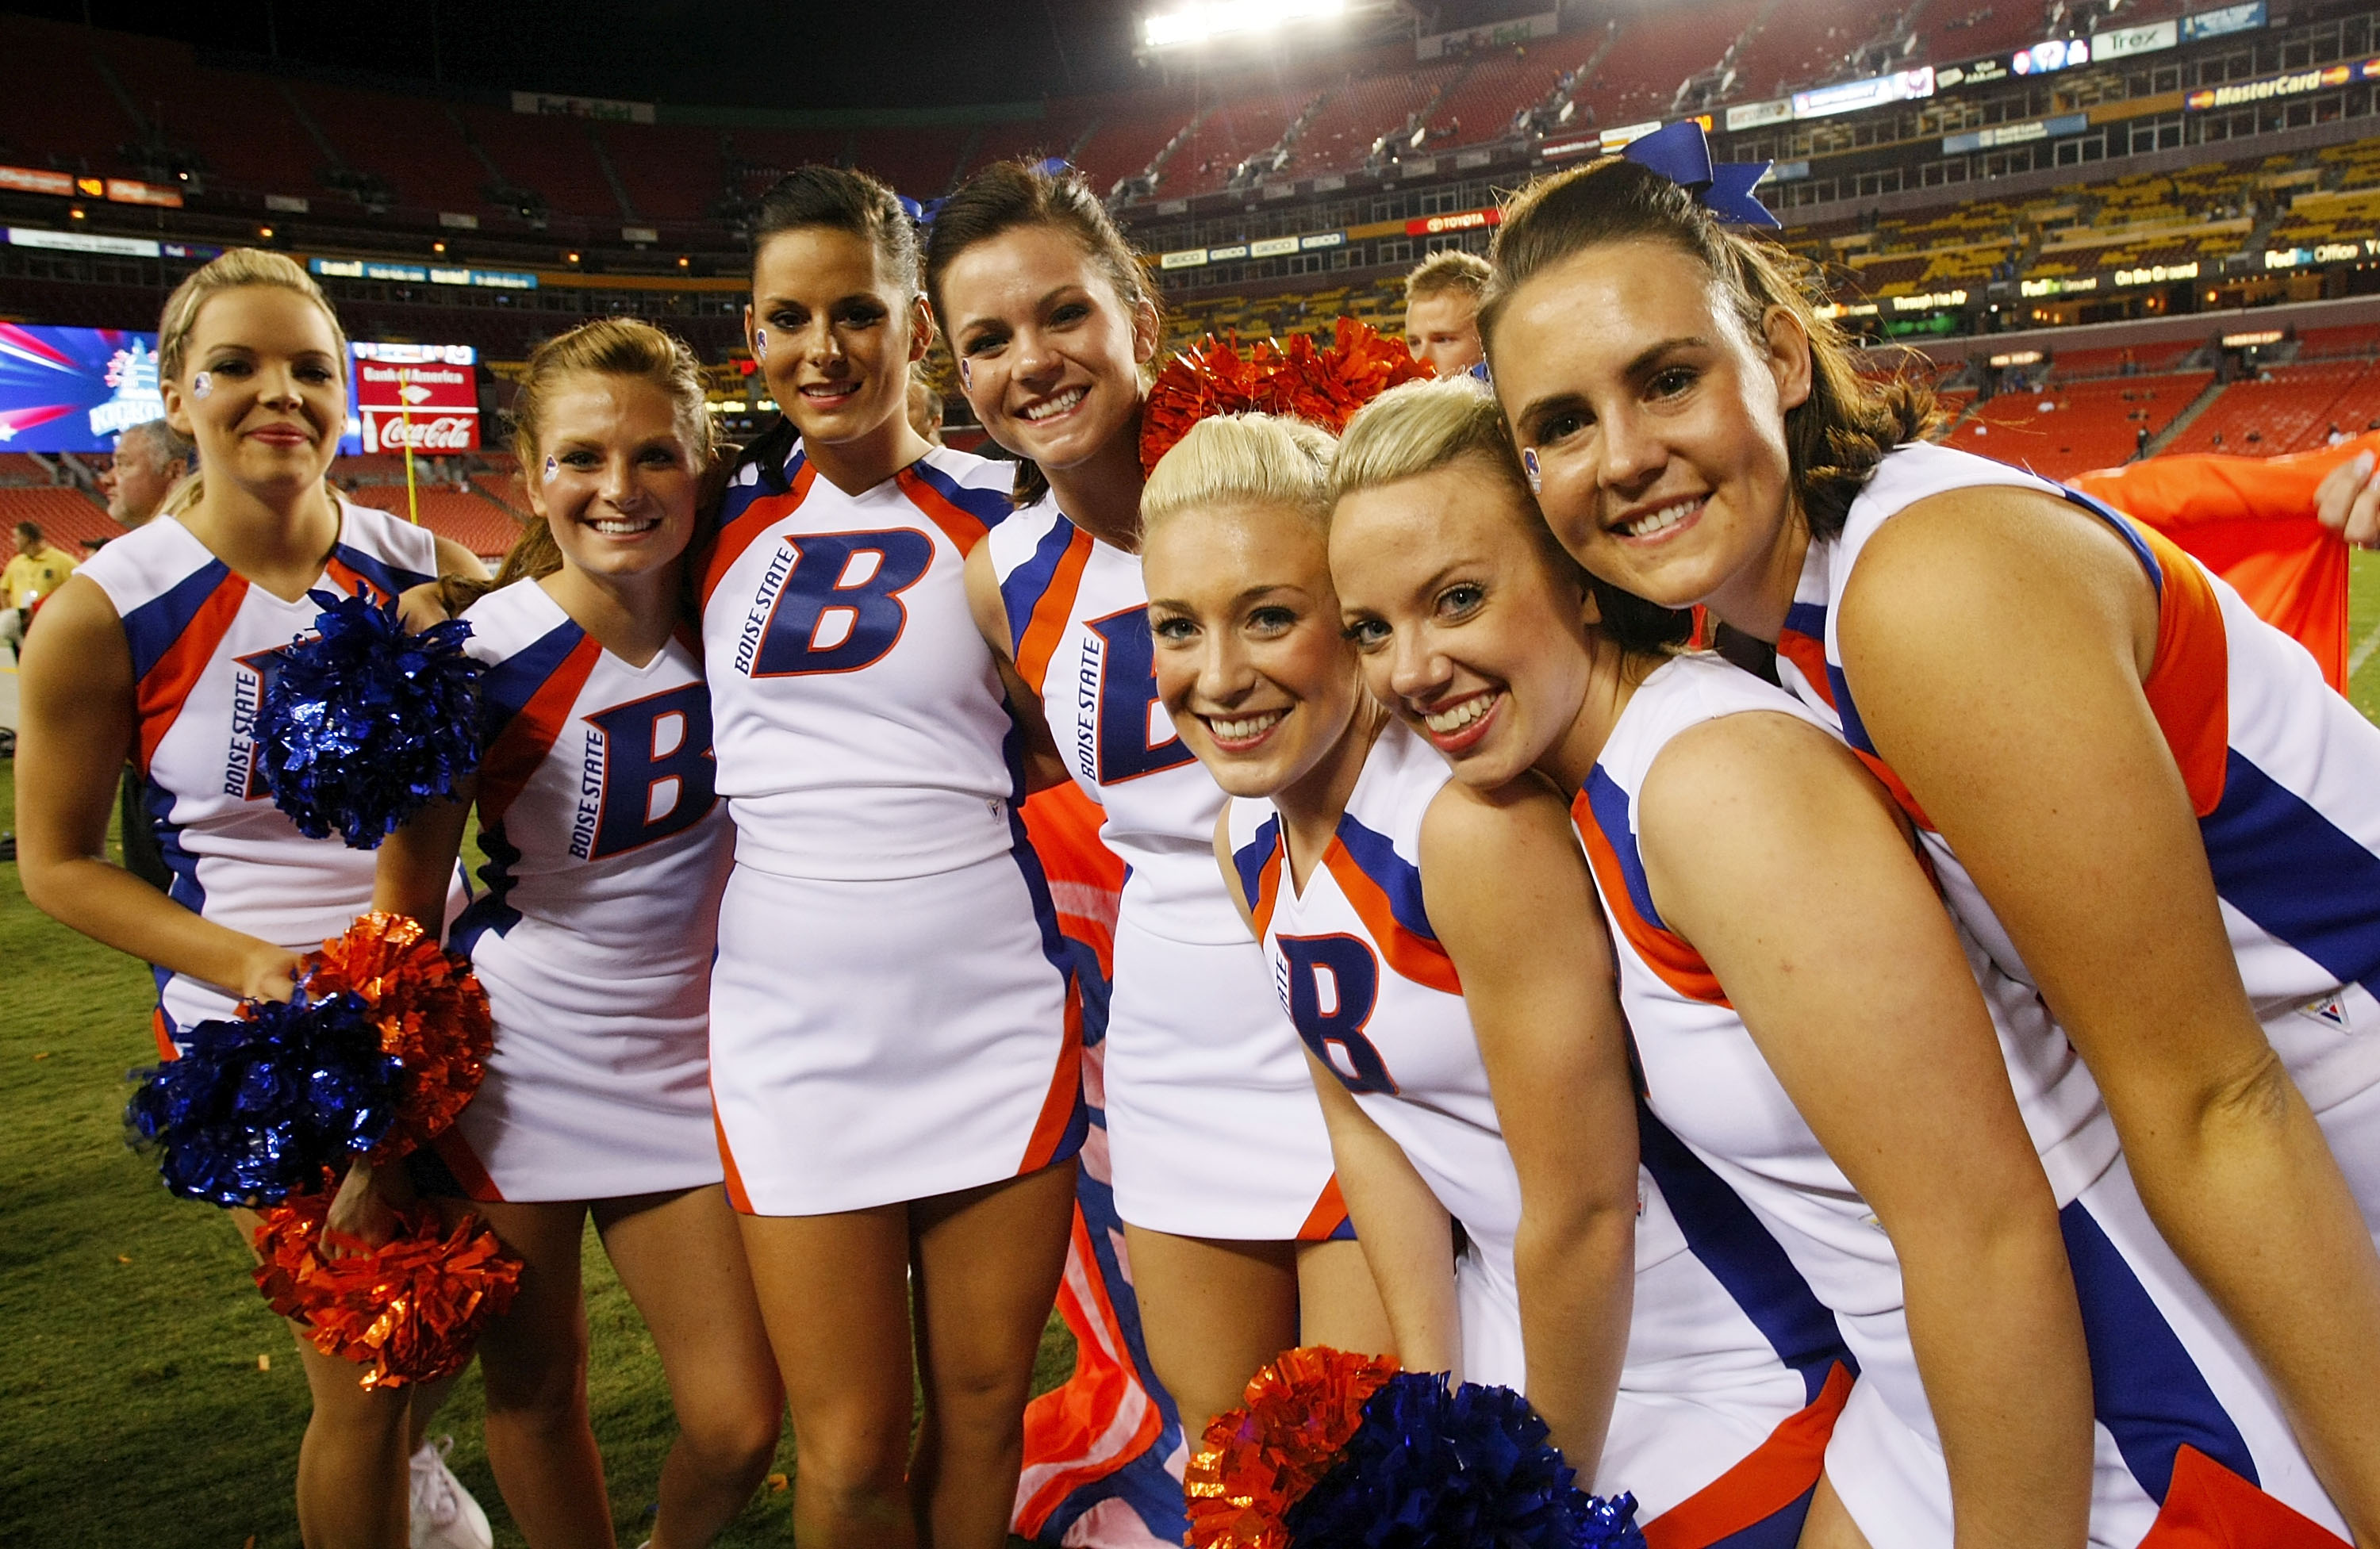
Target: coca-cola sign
[390,430]
[416,396]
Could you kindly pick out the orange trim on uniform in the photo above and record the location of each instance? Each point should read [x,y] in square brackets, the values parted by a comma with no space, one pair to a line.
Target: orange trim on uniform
[736,1197]
[1680,966]
[1065,1093]
[1894,789]
[757,518]
[1330,1213]
[1414,957]
[520,748]
[1039,639]
[353,582]
[2190,677]
[465,1164]
[1808,654]
[2208,1507]
[1778,1472]
[169,681]
[166,1048]
[961,529]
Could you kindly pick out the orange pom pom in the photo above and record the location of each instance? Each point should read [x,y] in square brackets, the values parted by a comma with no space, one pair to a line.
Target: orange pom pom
[1260,1460]
[408,1310]
[432,1014]
[1323,385]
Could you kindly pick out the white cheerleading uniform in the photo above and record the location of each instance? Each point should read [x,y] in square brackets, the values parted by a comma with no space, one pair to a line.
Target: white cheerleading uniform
[1213,1130]
[890,1015]
[2283,773]
[607,847]
[2177,1399]
[1734,1372]
[204,641]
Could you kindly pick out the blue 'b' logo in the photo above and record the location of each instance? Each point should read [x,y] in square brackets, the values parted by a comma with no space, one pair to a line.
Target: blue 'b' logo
[1128,747]
[1334,981]
[658,770]
[839,607]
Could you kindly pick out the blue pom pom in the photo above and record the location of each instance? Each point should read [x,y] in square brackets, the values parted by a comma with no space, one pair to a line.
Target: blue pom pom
[258,1109]
[363,723]
[1470,1465]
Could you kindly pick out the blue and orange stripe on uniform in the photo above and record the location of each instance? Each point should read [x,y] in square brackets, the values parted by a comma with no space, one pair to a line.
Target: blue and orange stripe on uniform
[1038,598]
[1600,813]
[1384,888]
[965,515]
[750,511]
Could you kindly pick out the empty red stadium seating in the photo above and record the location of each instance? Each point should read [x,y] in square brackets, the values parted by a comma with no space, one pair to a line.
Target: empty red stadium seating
[411,145]
[671,171]
[477,524]
[1031,139]
[57,110]
[1654,53]
[1479,107]
[67,517]
[1362,110]
[1801,43]
[917,162]
[554,157]
[2088,425]
[1956,29]
[2292,412]
[1123,142]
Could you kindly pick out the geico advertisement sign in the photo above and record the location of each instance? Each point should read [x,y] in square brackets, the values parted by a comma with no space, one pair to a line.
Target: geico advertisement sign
[386,430]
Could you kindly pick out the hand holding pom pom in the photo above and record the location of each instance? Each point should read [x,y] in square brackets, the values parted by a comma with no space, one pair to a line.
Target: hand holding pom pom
[363,723]
[431,1010]
[408,1310]
[1258,1461]
[265,1106]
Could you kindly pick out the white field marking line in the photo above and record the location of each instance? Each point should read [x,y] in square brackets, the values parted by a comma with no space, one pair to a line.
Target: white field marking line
[2363,650]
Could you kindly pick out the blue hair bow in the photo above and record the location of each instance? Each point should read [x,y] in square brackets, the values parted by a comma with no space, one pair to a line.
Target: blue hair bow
[1681,154]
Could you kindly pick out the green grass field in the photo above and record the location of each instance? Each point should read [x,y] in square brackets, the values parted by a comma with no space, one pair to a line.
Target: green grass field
[133,1410]
[133,1406]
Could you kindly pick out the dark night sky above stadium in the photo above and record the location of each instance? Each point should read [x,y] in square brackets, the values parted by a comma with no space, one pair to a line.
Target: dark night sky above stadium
[787,53]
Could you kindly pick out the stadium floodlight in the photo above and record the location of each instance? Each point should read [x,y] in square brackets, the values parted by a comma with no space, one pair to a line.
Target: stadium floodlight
[1201,20]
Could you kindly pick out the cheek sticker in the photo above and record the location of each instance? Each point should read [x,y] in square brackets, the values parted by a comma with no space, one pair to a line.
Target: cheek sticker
[203,384]
[552,470]
[967,374]
[1529,466]
[760,343]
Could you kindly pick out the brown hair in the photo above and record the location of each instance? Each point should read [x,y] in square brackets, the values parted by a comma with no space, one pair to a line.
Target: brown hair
[606,346]
[1007,195]
[231,270]
[1834,439]
[1449,269]
[1423,426]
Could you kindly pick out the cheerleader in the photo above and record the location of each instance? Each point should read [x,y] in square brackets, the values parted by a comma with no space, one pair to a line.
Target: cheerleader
[1238,1235]
[598,812]
[1467,1072]
[155,651]
[2138,797]
[896,1068]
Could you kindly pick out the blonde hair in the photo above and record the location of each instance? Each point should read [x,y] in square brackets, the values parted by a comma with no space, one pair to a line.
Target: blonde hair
[1425,426]
[1451,269]
[1257,459]
[606,346]
[233,270]
[236,268]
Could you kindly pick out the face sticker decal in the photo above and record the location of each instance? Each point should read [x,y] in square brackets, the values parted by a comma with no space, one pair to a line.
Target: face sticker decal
[967,374]
[203,384]
[760,343]
[552,469]
[1529,466]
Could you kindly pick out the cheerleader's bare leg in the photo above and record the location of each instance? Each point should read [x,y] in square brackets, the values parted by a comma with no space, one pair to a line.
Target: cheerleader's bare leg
[681,1260]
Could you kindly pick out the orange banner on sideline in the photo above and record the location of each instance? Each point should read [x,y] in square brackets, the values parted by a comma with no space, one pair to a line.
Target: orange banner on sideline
[2251,520]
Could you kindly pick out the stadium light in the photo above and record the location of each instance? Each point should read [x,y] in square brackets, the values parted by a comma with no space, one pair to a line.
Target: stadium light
[1202,20]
